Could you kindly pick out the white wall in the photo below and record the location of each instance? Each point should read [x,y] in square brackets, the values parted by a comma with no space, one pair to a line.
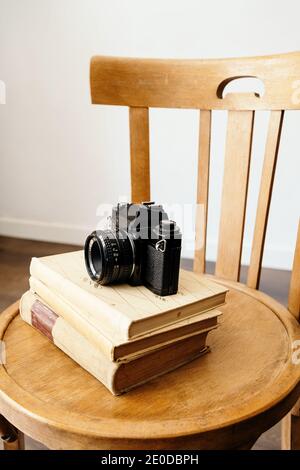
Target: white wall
[62,157]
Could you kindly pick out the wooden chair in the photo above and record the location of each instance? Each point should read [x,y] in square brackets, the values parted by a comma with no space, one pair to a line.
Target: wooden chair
[228,398]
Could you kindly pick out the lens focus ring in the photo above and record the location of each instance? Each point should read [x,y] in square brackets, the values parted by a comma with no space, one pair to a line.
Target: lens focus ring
[109,258]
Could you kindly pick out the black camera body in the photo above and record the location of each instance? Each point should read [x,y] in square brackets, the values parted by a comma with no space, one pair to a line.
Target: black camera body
[142,247]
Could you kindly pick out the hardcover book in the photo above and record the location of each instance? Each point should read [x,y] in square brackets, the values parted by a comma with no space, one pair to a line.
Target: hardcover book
[117,377]
[123,312]
[124,351]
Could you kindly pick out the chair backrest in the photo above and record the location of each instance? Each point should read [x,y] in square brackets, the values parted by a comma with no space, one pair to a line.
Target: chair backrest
[199,84]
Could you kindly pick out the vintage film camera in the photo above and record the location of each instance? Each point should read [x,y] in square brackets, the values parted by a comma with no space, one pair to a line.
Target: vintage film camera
[142,247]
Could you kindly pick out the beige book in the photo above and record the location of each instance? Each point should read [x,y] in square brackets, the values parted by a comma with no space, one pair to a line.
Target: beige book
[131,349]
[117,377]
[122,311]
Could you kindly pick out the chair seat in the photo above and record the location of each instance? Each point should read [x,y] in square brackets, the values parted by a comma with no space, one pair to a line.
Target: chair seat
[225,399]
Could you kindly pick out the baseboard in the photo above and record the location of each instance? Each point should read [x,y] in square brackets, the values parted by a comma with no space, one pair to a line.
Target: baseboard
[43,231]
[276,257]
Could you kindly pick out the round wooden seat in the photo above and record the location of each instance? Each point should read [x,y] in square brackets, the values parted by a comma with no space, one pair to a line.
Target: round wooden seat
[225,399]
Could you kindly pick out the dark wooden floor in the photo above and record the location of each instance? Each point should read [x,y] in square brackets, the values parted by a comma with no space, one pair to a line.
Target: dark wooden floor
[15,256]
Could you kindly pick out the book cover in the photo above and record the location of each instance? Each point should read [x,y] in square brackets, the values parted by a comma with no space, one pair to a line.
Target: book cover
[123,311]
[116,377]
[123,351]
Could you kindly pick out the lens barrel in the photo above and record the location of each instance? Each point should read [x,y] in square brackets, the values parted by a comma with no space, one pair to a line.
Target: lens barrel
[109,256]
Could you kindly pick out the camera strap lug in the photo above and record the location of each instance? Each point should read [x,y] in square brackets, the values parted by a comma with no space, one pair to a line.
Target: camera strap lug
[161,245]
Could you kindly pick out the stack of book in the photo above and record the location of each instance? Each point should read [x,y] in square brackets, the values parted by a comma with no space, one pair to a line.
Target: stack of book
[123,335]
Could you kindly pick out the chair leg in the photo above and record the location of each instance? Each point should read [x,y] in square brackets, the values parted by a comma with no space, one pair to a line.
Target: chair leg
[286,432]
[12,438]
[247,446]
[17,444]
[290,429]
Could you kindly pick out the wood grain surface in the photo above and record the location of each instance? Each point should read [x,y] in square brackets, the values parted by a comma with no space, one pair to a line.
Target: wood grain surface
[197,84]
[202,190]
[242,385]
[139,154]
[264,201]
[234,195]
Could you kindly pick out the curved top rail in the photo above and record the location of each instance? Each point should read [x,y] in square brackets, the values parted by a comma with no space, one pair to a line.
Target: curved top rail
[190,83]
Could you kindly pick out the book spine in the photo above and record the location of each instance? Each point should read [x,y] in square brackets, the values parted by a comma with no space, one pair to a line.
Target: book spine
[73,317]
[111,321]
[66,338]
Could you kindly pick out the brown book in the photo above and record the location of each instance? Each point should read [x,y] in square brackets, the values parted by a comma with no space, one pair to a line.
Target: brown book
[122,311]
[117,377]
[131,349]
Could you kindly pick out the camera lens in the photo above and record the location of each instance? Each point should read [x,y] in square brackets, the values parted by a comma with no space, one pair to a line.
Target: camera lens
[109,257]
